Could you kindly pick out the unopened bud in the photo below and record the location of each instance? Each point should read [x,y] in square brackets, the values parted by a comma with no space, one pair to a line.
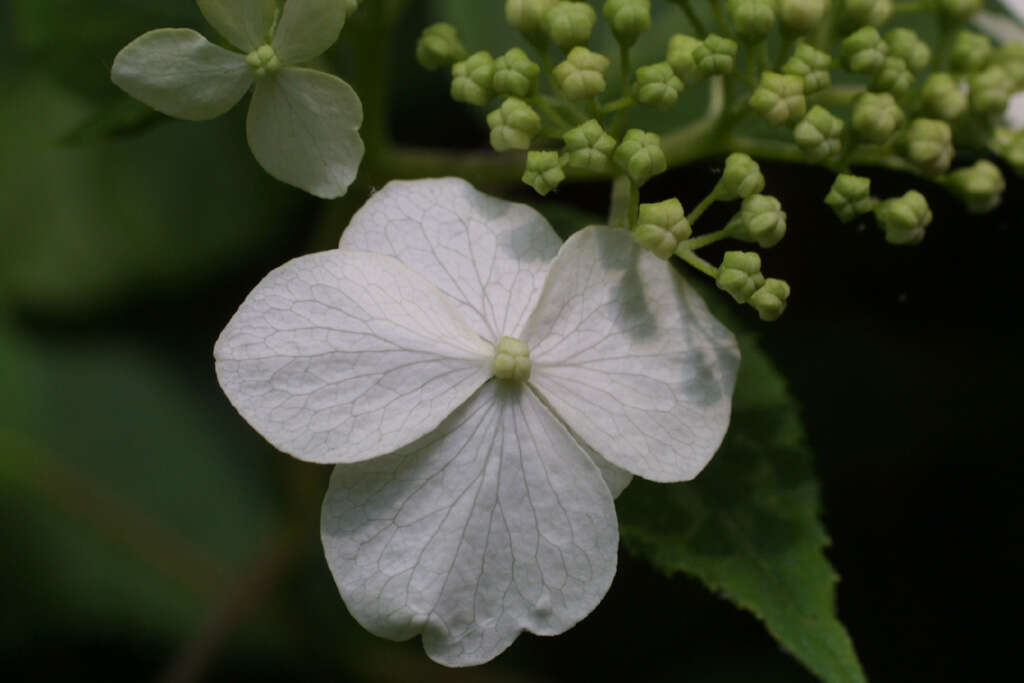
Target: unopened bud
[1010,56]
[471,79]
[526,15]
[798,17]
[543,171]
[661,227]
[752,19]
[980,187]
[905,218]
[990,90]
[930,145]
[439,46]
[876,116]
[864,51]
[894,77]
[771,299]
[760,219]
[819,134]
[869,12]
[812,65]
[850,197]
[640,156]
[680,58]
[942,97]
[515,74]
[959,11]
[742,178]
[971,52]
[581,75]
[716,55]
[779,98]
[657,86]
[908,46]
[513,125]
[569,23]
[589,147]
[1010,145]
[628,18]
[740,274]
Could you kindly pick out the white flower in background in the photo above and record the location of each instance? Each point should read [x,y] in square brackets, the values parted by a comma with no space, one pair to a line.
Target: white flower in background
[302,124]
[485,394]
[1004,29]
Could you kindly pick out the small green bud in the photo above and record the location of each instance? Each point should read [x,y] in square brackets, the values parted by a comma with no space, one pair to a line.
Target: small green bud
[742,178]
[869,12]
[439,46]
[581,75]
[864,51]
[971,52]
[526,15]
[515,74]
[760,219]
[990,90]
[1010,56]
[263,60]
[905,218]
[740,274]
[980,187]
[589,147]
[511,360]
[640,155]
[959,11]
[628,18]
[818,134]
[894,77]
[779,98]
[850,197]
[1010,145]
[513,125]
[661,227]
[680,58]
[472,78]
[876,116]
[570,23]
[716,55]
[657,86]
[800,16]
[752,19]
[909,47]
[543,171]
[812,66]
[942,97]
[930,145]
[770,299]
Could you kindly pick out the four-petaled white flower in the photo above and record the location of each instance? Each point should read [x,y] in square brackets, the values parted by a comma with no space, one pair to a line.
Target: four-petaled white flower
[302,124]
[485,395]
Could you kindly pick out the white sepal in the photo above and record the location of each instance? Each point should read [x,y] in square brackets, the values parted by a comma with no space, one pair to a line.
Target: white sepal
[307,28]
[245,23]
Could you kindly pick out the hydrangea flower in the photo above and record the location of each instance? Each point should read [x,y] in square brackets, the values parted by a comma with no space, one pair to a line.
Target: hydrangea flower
[302,124]
[485,392]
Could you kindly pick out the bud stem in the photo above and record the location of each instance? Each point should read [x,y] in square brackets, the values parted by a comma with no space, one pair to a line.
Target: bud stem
[704,205]
[697,262]
[695,243]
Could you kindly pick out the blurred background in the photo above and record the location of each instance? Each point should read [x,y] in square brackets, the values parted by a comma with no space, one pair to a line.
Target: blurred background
[148,534]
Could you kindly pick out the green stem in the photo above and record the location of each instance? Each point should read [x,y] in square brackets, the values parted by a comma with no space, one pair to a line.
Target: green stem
[538,101]
[704,205]
[691,15]
[837,95]
[723,24]
[634,203]
[619,204]
[624,64]
[784,48]
[695,243]
[617,105]
[697,262]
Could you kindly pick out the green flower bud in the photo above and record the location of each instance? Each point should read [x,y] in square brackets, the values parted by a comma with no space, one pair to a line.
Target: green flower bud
[680,58]
[905,218]
[906,45]
[1010,145]
[894,77]
[760,219]
[515,74]
[971,52]
[628,18]
[716,55]
[980,187]
[543,171]
[990,90]
[740,274]
[661,227]
[526,15]
[439,46]
[779,98]
[570,23]
[657,86]
[959,11]
[942,97]
[752,19]
[742,178]
[869,12]
[864,51]
[513,125]
[589,147]
[640,155]
[471,79]
[930,145]
[770,299]
[1010,56]
[876,116]
[818,134]
[812,66]
[581,75]
[511,360]
[850,197]
[800,16]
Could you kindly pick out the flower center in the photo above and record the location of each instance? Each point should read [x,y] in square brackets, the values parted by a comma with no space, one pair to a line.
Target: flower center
[512,360]
[263,60]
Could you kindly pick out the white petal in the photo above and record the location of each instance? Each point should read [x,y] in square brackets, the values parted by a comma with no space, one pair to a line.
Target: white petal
[495,524]
[182,74]
[245,23]
[1002,28]
[307,28]
[1016,8]
[630,358]
[616,478]
[344,356]
[489,255]
[1014,113]
[303,129]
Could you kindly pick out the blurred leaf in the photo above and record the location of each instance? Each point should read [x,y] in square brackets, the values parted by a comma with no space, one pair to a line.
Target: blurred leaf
[121,117]
[749,526]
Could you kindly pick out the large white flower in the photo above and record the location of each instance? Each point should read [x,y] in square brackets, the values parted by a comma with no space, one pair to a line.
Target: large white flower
[302,124]
[485,394]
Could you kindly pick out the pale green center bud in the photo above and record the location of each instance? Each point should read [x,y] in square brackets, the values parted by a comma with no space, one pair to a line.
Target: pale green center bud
[263,60]
[512,360]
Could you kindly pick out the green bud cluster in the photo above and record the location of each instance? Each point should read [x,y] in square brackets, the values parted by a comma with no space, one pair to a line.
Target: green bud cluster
[661,227]
[439,46]
[657,85]
[876,117]
[779,98]
[569,24]
[515,74]
[980,186]
[850,197]
[929,144]
[971,52]
[640,156]
[904,219]
[589,147]
[869,12]
[543,171]
[819,134]
[760,219]
[628,18]
[942,97]
[581,75]
[908,46]
[751,19]
[864,51]
[472,78]
[680,57]
[741,178]
[513,125]
[812,66]
[716,55]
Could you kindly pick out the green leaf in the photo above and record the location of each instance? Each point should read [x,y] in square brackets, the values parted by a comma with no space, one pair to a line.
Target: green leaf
[749,528]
